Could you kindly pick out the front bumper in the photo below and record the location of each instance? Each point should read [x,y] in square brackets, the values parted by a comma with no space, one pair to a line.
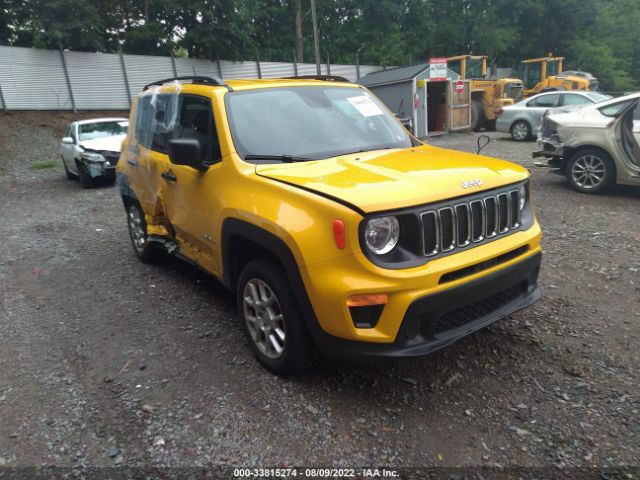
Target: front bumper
[435,321]
[100,170]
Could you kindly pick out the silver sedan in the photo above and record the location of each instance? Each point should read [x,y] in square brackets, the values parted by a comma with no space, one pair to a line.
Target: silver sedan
[523,119]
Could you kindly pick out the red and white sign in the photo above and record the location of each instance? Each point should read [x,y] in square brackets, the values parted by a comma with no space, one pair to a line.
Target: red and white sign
[459,86]
[438,70]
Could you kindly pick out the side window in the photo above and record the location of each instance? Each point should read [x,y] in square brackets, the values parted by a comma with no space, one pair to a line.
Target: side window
[615,109]
[144,121]
[155,120]
[195,120]
[72,133]
[547,101]
[569,99]
[636,112]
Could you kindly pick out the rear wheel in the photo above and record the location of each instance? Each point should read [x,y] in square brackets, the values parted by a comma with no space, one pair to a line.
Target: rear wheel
[520,131]
[591,171]
[146,251]
[272,320]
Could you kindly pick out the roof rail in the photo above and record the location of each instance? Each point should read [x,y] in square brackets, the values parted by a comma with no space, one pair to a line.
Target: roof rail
[201,80]
[326,78]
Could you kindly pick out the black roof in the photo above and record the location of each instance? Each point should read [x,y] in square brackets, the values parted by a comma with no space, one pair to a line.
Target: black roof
[393,75]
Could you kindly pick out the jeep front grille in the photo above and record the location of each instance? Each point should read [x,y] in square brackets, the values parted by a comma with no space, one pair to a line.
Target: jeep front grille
[471,222]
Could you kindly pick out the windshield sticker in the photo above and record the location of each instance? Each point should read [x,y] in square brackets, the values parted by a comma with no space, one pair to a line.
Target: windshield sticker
[365,106]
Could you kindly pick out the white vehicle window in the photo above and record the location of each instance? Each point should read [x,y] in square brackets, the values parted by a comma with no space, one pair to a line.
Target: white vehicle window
[599,97]
[570,100]
[91,131]
[614,109]
[547,101]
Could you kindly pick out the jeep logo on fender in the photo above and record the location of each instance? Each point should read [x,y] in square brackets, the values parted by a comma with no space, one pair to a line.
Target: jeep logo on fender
[471,183]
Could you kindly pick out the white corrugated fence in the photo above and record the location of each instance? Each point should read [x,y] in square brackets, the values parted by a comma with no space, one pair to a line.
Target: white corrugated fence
[35,79]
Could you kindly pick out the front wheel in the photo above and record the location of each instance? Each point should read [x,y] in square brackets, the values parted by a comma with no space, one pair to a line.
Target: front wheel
[86,180]
[70,175]
[272,320]
[591,171]
[477,115]
[144,250]
[521,131]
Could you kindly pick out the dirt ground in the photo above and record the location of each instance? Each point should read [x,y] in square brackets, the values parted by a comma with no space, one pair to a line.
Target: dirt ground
[105,361]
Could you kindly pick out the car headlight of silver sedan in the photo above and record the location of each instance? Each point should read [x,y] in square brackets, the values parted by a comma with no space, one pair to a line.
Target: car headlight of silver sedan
[93,157]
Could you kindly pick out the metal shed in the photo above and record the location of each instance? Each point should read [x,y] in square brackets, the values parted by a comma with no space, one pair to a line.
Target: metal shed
[432,104]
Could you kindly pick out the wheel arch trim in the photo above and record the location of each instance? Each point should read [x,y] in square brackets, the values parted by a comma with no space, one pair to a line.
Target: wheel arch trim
[233,227]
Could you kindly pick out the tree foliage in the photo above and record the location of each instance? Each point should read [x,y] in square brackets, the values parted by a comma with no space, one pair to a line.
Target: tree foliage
[595,35]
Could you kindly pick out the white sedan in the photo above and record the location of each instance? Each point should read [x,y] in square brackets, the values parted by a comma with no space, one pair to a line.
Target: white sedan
[91,148]
[523,119]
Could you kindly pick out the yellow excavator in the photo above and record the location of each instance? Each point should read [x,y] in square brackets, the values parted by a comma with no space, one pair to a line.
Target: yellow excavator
[488,95]
[546,75]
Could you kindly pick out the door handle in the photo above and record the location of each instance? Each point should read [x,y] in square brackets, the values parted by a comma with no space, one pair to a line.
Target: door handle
[132,162]
[169,176]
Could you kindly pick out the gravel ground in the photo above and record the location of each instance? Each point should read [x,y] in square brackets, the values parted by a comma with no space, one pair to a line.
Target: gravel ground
[105,361]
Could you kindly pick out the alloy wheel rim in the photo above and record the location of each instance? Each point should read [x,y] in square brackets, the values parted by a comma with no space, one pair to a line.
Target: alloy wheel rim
[520,131]
[264,317]
[588,171]
[136,229]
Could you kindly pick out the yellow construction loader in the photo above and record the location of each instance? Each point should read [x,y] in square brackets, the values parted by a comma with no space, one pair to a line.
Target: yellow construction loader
[546,75]
[488,95]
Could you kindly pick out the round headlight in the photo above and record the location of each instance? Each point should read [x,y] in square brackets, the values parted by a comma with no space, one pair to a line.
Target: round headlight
[381,234]
[522,196]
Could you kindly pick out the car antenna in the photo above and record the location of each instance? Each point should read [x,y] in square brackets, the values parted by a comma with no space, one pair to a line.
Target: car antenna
[483,138]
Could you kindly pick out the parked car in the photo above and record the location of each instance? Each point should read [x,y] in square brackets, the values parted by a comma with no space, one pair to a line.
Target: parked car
[330,222]
[593,81]
[595,147]
[91,148]
[523,119]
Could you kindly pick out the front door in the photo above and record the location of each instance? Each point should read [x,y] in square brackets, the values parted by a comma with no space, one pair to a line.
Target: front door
[68,150]
[459,102]
[624,134]
[191,196]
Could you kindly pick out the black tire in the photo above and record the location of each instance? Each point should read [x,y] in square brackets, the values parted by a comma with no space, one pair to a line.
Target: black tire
[86,180]
[591,171]
[477,115]
[521,131]
[297,347]
[68,173]
[147,252]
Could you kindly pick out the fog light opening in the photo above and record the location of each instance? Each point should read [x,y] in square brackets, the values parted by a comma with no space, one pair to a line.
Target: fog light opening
[366,309]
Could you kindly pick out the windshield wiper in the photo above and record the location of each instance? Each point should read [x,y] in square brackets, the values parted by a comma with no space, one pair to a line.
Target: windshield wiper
[364,150]
[281,158]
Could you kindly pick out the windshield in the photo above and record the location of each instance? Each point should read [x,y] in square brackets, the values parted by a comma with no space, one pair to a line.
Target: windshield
[474,68]
[311,122]
[91,131]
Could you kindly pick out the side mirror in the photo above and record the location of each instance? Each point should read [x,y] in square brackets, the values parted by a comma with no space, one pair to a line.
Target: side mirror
[67,140]
[187,151]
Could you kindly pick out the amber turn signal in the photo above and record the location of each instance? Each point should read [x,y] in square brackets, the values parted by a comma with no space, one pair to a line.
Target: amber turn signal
[370,299]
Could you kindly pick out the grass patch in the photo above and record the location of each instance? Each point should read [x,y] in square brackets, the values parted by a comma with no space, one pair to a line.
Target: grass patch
[43,165]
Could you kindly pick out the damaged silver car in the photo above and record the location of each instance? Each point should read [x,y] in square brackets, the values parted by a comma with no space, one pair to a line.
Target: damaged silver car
[91,148]
[596,146]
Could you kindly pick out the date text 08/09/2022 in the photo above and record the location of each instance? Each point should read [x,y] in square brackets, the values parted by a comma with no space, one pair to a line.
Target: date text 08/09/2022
[315,472]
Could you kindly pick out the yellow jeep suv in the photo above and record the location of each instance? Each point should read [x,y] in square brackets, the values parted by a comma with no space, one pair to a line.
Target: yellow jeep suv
[337,230]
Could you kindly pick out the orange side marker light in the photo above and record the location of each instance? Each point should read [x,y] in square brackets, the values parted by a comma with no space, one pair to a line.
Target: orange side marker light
[339,235]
